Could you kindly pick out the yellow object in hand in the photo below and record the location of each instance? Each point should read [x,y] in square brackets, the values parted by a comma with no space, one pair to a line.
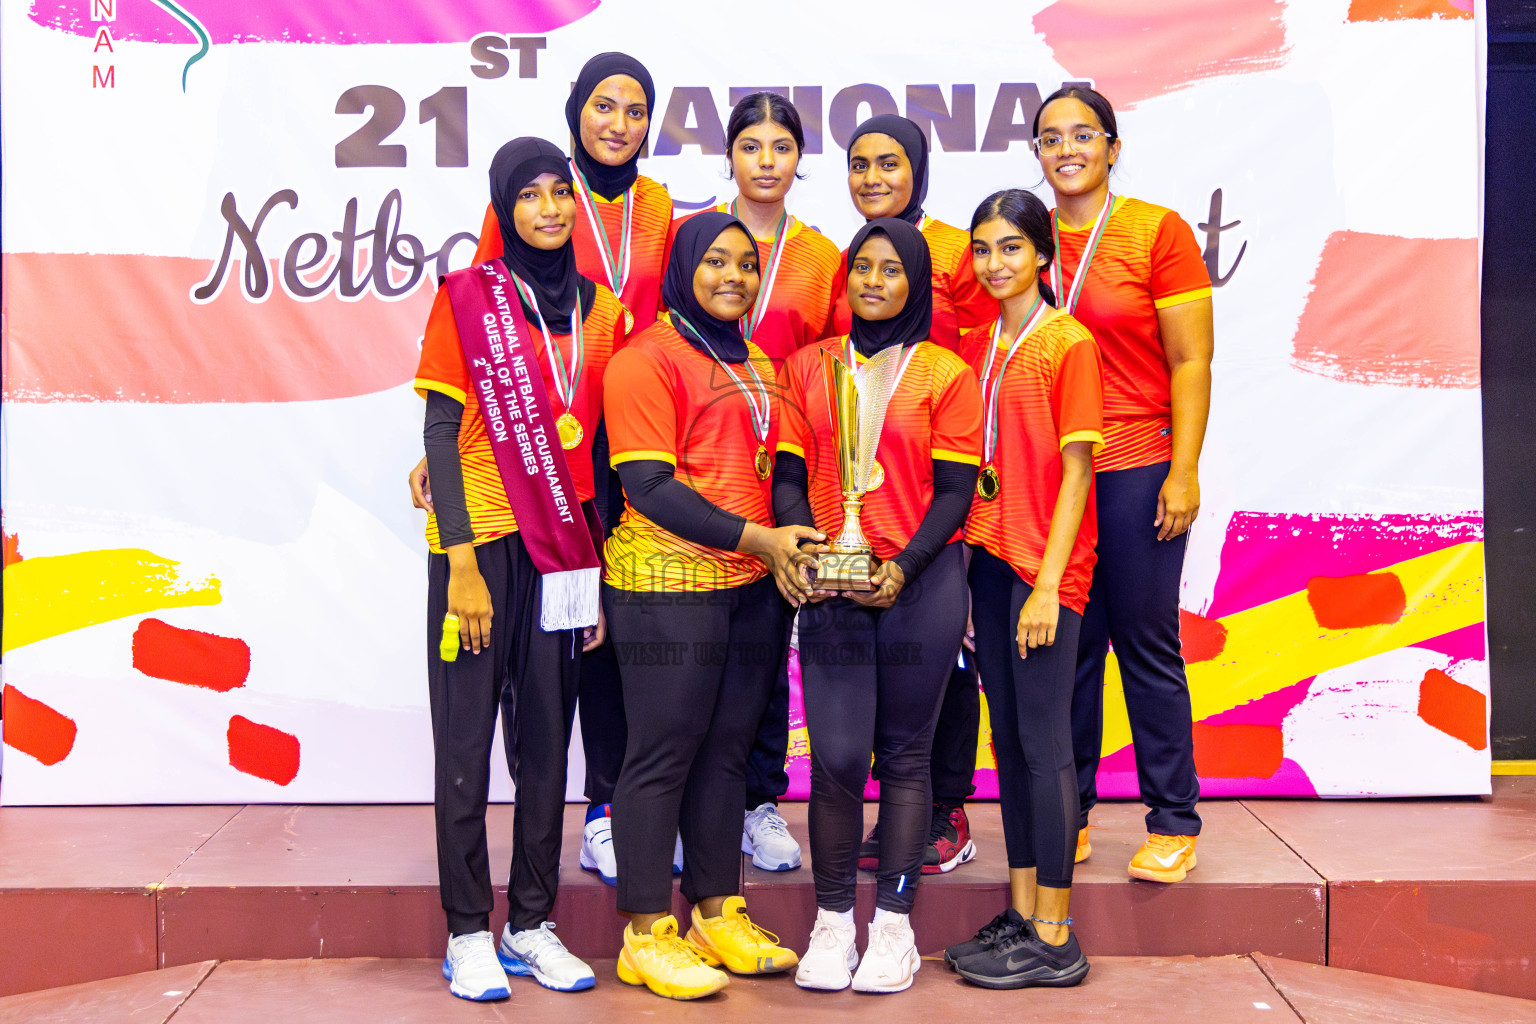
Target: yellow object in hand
[448,649]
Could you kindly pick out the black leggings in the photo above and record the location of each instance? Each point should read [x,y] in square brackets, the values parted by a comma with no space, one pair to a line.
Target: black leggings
[873,680]
[697,668]
[1031,704]
[529,676]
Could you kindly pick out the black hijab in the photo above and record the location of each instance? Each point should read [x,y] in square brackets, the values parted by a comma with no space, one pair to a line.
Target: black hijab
[693,241]
[913,323]
[608,182]
[551,273]
[915,143]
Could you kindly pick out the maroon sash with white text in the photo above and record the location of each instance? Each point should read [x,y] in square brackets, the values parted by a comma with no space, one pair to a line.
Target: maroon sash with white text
[506,381]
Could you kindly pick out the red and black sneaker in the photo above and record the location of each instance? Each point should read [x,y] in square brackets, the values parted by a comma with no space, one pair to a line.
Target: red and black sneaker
[869,850]
[949,840]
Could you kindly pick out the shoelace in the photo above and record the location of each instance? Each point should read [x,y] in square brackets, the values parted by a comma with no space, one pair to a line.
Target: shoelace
[882,939]
[772,824]
[678,952]
[1166,844]
[941,828]
[825,938]
[547,943]
[742,926]
[480,956]
[996,928]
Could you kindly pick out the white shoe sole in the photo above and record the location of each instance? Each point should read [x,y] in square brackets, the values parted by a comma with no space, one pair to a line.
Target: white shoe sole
[482,997]
[767,865]
[853,961]
[589,863]
[967,854]
[916,963]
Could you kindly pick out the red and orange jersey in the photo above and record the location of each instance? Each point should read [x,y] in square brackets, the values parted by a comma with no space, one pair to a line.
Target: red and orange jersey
[802,289]
[935,413]
[668,401]
[443,369]
[650,230]
[1051,395]
[1147,260]
[959,301]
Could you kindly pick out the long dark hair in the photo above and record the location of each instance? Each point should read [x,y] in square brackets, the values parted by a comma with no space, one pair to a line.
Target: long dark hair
[754,109]
[1023,210]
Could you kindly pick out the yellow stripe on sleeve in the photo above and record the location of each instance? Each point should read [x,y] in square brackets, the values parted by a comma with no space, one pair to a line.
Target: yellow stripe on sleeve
[642,454]
[949,456]
[423,385]
[1180,298]
[1093,436]
[793,449]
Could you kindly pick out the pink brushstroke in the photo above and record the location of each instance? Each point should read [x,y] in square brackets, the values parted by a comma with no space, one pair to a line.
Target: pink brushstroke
[303,21]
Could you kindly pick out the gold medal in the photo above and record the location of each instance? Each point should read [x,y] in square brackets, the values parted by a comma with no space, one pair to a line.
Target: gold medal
[762,463]
[876,476]
[570,430]
[988,486]
[629,320]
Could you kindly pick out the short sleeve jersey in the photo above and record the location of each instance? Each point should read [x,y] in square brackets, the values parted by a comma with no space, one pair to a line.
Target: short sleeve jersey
[799,303]
[935,413]
[650,230]
[443,369]
[1146,261]
[667,401]
[1050,395]
[959,301]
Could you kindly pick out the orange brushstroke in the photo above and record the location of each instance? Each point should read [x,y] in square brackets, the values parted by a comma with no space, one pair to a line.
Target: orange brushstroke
[34,728]
[1454,708]
[1238,751]
[1404,10]
[262,751]
[1201,638]
[1354,602]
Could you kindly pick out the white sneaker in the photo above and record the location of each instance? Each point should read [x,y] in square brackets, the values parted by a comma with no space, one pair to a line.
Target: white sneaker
[538,953]
[677,856]
[597,849]
[891,959]
[831,956]
[472,969]
[765,835]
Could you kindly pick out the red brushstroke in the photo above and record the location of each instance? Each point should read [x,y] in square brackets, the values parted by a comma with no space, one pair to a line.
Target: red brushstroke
[1454,708]
[1238,751]
[1389,310]
[1136,49]
[263,751]
[1406,10]
[166,348]
[1351,602]
[12,547]
[34,728]
[1201,638]
[188,656]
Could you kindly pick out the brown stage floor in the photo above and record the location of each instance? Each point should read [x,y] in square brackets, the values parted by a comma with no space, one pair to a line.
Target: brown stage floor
[1440,891]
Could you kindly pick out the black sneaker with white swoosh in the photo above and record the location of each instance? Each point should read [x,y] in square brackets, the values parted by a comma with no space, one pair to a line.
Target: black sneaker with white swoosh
[1026,961]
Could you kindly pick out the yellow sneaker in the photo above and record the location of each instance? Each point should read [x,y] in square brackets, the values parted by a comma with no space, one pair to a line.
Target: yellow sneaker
[733,940]
[1084,847]
[1164,858]
[666,964]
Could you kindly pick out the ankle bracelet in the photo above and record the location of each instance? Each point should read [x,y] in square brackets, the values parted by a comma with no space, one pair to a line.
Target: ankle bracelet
[1039,920]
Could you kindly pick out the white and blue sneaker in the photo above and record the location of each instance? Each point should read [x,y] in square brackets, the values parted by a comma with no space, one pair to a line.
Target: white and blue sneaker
[539,954]
[597,845]
[472,969]
[765,835]
[677,856]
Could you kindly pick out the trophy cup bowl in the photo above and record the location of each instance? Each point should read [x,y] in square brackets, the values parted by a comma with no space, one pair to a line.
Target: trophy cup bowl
[856,401]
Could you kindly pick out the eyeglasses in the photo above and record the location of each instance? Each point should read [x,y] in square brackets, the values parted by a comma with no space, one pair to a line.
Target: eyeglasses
[1080,139]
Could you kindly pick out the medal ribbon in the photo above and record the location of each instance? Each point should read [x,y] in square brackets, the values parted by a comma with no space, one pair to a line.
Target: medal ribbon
[761,419]
[617,269]
[1068,300]
[566,381]
[770,272]
[989,398]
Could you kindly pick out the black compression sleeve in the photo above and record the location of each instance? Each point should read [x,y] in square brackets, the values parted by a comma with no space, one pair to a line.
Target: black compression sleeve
[954,485]
[791,491]
[656,493]
[445,472]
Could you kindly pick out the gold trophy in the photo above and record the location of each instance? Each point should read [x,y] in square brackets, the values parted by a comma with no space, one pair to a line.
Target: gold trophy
[856,400]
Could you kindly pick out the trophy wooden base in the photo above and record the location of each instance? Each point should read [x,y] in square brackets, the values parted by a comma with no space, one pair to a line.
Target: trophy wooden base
[845,570]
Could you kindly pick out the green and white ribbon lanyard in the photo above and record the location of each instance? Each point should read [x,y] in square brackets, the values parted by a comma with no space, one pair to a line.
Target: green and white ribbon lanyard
[567,379]
[988,484]
[615,266]
[762,418]
[770,273]
[1068,300]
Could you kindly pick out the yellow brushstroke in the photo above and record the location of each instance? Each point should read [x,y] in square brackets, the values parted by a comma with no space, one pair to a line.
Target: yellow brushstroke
[1277,644]
[52,595]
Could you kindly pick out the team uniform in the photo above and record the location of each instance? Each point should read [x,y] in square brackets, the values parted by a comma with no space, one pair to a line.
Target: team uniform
[959,302]
[873,679]
[527,674]
[1047,396]
[1146,260]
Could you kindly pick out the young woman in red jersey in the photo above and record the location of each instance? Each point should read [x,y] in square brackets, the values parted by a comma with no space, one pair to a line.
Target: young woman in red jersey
[690,596]
[623,222]
[875,664]
[888,177]
[500,561]
[1032,536]
[1133,274]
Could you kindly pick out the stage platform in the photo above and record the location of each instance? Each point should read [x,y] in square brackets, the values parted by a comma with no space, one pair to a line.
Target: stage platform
[1440,891]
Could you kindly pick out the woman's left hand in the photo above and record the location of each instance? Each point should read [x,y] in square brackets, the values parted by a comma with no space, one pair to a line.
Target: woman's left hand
[1178,503]
[888,581]
[593,636]
[1037,620]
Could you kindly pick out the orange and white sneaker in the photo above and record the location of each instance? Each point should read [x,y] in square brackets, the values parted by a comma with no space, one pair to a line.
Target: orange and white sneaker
[1164,858]
[1084,847]
[667,965]
[733,940]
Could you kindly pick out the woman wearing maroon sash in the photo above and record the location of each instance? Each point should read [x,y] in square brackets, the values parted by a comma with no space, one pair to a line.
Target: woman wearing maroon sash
[512,576]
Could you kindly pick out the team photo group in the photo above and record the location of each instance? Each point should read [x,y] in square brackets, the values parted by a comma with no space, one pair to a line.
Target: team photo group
[661,444]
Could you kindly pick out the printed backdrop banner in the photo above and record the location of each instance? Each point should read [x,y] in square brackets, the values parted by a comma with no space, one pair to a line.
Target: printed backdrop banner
[223,223]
